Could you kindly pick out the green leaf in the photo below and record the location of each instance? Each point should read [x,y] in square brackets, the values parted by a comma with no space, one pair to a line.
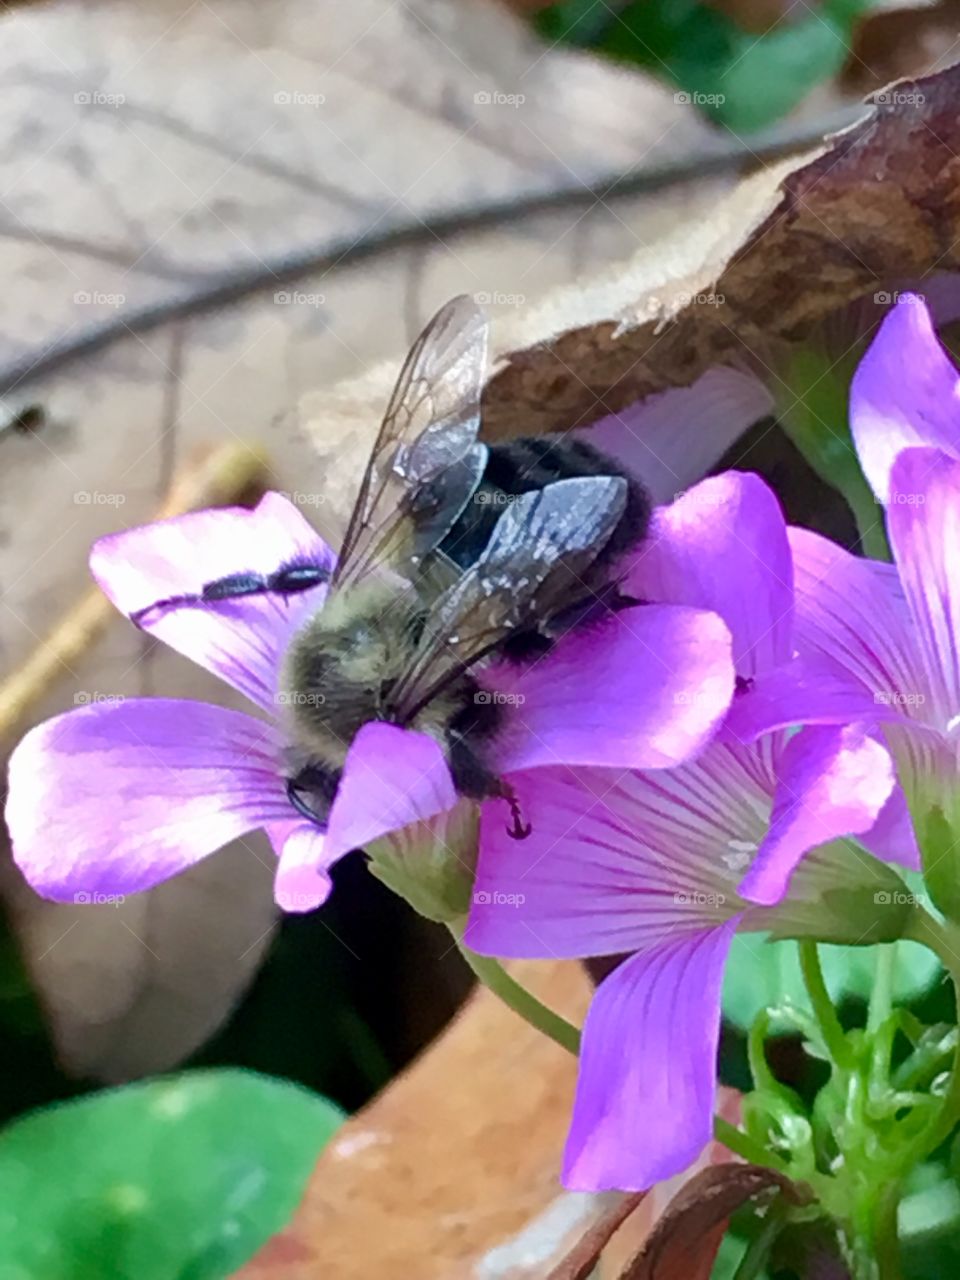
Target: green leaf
[743,78]
[181,1177]
[762,975]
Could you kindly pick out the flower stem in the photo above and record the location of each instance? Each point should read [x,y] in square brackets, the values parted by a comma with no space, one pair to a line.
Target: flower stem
[834,1037]
[881,997]
[513,994]
[944,939]
[886,1242]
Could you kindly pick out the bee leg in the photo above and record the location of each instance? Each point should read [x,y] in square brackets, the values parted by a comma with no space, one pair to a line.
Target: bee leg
[518,829]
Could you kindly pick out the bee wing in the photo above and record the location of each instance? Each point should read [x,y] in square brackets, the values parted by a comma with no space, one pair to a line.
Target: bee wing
[531,567]
[426,463]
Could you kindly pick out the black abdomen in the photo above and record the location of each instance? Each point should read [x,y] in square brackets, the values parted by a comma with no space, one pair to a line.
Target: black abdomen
[533,462]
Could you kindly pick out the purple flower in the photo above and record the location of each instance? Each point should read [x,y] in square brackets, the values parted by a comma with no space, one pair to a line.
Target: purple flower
[891,633]
[115,797]
[666,866]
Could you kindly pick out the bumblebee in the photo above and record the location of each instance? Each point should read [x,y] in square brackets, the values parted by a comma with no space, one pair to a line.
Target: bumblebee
[455,552]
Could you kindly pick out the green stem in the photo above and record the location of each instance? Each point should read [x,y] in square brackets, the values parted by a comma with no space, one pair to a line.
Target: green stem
[944,939]
[758,1251]
[493,976]
[881,997]
[886,1241]
[743,1145]
[834,1037]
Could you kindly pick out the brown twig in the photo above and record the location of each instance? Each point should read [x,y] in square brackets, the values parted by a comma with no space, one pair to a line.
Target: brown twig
[222,474]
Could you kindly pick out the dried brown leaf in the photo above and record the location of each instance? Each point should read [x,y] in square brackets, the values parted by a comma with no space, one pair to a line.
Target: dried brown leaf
[683,1245]
[880,203]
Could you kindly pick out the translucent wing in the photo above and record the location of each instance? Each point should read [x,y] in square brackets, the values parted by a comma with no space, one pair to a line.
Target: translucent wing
[426,462]
[532,567]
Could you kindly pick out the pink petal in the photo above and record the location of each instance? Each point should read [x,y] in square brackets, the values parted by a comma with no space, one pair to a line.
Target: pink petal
[723,546]
[113,798]
[615,861]
[805,691]
[924,526]
[241,640]
[905,392]
[892,838]
[853,612]
[644,689]
[391,777]
[645,1093]
[673,438]
[831,782]
[303,880]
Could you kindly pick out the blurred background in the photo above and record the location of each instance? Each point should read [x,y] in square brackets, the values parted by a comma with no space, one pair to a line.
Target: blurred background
[212,214]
